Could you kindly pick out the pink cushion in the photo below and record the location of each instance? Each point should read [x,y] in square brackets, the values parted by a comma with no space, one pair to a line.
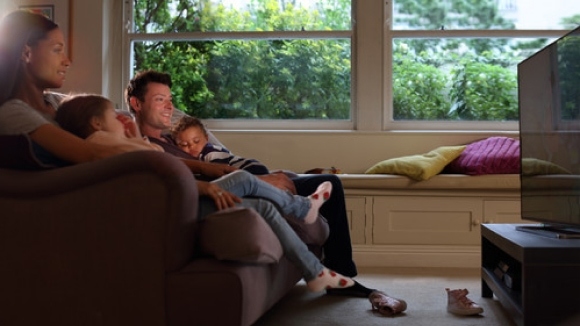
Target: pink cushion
[493,155]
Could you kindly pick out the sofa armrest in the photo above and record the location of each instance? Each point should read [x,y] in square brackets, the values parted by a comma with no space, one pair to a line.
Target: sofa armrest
[95,239]
[239,234]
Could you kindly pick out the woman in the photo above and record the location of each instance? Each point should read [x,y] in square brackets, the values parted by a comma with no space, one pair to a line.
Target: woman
[33,59]
[29,66]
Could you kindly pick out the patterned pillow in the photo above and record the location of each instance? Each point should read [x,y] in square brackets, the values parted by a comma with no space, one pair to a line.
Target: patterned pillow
[493,155]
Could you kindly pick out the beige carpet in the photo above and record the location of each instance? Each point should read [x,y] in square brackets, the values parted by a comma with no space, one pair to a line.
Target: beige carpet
[422,288]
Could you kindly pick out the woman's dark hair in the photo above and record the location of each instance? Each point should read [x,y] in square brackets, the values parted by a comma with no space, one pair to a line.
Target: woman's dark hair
[137,86]
[75,113]
[17,29]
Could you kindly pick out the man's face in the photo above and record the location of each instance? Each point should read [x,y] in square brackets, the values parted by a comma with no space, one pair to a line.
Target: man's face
[157,108]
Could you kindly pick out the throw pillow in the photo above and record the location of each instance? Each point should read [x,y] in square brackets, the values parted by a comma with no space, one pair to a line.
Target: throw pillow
[493,155]
[534,166]
[418,167]
[239,234]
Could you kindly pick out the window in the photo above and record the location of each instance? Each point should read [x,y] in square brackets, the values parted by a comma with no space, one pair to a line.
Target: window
[307,64]
[454,62]
[281,64]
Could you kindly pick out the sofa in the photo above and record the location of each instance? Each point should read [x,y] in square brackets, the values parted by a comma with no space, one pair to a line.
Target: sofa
[118,242]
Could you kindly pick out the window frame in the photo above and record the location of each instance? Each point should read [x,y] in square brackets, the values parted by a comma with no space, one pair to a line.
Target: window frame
[371,96]
[418,125]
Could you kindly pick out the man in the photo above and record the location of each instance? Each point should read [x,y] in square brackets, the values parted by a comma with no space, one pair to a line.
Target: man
[149,98]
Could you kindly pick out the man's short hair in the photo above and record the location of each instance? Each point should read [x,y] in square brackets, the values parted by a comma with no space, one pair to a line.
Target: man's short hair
[137,86]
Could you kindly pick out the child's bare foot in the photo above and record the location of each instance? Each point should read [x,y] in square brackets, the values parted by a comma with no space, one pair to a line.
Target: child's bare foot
[318,198]
[328,279]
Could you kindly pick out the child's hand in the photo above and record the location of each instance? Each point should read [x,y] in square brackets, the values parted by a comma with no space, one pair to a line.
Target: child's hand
[131,129]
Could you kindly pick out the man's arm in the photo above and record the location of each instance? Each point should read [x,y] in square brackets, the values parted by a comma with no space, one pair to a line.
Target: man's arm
[212,170]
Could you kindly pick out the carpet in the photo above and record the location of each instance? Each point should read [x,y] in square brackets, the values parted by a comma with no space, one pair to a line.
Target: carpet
[422,288]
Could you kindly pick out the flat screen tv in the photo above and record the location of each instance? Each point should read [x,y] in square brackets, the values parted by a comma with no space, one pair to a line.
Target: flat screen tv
[549,106]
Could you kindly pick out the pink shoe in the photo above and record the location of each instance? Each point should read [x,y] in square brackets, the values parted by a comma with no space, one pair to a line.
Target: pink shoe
[459,304]
[385,304]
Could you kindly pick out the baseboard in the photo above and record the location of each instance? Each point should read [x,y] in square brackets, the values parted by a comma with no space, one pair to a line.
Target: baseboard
[417,256]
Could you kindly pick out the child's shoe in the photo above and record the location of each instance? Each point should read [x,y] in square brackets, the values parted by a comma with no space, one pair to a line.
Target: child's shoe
[459,304]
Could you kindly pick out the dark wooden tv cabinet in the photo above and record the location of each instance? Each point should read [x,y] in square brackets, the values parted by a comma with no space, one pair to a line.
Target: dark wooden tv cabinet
[536,278]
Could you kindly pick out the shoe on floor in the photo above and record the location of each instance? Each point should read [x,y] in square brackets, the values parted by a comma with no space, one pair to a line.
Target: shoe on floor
[459,304]
[385,304]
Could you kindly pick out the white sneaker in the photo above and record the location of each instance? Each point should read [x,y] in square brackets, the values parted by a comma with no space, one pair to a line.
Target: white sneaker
[459,304]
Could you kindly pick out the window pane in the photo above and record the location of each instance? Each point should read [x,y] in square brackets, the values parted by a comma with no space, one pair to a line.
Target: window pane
[458,79]
[255,79]
[486,14]
[241,15]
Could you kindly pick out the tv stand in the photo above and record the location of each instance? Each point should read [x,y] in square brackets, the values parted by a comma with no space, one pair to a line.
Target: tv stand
[551,231]
[535,278]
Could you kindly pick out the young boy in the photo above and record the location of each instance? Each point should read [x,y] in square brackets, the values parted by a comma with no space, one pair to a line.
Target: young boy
[191,136]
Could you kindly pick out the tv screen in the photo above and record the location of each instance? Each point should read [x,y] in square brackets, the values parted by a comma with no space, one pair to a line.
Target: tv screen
[549,105]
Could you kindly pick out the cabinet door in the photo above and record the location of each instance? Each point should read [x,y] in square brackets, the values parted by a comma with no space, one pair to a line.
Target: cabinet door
[424,220]
[356,207]
[502,211]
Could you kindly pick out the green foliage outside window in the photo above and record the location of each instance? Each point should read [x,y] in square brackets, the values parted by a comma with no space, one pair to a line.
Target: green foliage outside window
[252,79]
[569,76]
[433,79]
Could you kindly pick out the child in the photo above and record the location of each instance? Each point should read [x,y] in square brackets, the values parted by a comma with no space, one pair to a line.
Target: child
[191,136]
[93,117]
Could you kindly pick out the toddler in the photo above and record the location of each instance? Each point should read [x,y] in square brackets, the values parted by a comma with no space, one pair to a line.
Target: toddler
[191,136]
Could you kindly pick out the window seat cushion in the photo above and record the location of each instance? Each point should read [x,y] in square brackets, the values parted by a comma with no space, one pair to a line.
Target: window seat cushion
[440,181]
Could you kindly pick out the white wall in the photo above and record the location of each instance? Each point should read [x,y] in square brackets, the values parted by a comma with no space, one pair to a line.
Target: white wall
[97,68]
[352,152]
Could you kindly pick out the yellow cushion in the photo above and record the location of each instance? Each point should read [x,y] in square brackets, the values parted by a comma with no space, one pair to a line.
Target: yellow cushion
[534,166]
[418,167]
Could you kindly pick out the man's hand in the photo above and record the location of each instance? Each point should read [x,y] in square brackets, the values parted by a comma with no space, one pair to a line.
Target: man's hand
[216,170]
[279,180]
[223,199]
[211,170]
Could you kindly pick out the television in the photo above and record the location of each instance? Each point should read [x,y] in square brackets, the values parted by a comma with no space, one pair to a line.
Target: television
[549,108]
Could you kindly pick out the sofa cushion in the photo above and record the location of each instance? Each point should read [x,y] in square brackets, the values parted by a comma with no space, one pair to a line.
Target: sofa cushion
[418,167]
[314,234]
[239,234]
[444,182]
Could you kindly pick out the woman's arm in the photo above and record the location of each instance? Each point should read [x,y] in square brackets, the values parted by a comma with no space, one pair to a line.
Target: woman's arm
[69,147]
